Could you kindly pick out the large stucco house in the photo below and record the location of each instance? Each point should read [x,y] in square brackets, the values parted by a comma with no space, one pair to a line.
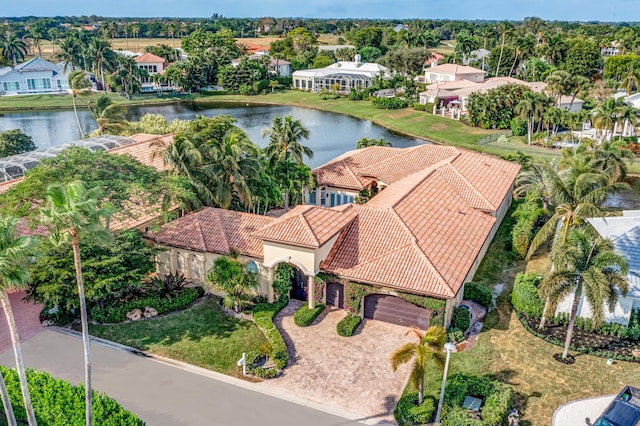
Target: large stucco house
[36,76]
[278,67]
[424,233]
[452,72]
[624,232]
[349,75]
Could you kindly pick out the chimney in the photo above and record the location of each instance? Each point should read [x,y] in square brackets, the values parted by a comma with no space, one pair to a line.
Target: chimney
[358,60]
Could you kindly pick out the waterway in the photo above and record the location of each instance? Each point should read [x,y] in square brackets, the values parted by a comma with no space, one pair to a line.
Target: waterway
[330,134]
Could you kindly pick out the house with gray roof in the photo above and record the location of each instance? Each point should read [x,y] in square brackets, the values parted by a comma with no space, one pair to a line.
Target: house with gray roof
[624,232]
[36,76]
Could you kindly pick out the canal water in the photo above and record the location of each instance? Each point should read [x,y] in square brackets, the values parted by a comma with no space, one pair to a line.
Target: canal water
[330,134]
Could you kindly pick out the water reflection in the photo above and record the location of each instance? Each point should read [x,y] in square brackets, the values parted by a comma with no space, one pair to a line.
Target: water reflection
[331,134]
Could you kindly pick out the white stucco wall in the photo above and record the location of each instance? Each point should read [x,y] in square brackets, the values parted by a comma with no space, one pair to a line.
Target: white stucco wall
[620,315]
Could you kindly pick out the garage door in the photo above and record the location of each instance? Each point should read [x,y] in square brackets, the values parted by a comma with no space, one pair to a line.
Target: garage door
[395,310]
[335,295]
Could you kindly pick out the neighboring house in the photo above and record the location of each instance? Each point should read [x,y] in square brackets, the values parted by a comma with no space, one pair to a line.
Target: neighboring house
[276,66]
[401,27]
[36,76]
[335,47]
[624,232]
[570,103]
[424,233]
[151,63]
[349,75]
[452,72]
[462,89]
[476,56]
[432,61]
[612,50]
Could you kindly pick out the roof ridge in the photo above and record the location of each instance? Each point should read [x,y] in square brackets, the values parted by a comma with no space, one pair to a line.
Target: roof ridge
[475,190]
[308,226]
[200,233]
[223,229]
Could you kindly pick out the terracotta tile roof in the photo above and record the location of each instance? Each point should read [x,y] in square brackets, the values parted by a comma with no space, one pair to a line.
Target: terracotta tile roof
[454,69]
[307,226]
[143,150]
[5,186]
[148,58]
[215,231]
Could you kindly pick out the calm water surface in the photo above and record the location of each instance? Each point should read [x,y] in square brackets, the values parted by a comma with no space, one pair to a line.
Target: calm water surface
[331,134]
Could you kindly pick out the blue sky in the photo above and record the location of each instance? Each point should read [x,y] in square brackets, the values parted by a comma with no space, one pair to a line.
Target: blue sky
[569,10]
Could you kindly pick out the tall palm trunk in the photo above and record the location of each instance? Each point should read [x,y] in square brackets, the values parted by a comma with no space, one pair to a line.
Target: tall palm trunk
[504,36]
[6,403]
[421,392]
[515,61]
[75,243]
[572,319]
[545,313]
[15,340]
[75,110]
[483,55]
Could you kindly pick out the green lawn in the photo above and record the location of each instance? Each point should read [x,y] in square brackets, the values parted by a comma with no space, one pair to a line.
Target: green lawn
[201,335]
[510,353]
[65,101]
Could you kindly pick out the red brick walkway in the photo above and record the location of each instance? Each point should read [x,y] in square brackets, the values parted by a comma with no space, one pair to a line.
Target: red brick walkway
[27,318]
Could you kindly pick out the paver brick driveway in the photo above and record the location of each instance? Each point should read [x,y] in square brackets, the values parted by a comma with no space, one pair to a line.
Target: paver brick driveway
[352,373]
[27,316]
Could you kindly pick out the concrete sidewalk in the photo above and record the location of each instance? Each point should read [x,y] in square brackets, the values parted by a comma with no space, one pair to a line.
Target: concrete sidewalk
[162,394]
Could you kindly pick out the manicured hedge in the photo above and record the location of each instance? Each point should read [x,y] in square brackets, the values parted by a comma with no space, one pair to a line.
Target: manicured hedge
[254,369]
[348,325]
[497,400]
[263,314]
[58,403]
[525,298]
[304,316]
[389,103]
[408,412]
[118,313]
[461,319]
[478,293]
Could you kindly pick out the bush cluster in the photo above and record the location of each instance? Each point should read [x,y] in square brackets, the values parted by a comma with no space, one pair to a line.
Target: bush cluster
[118,312]
[358,95]
[461,319]
[304,316]
[58,403]
[529,218]
[518,126]
[408,412]
[478,293]
[497,398]
[389,103]
[525,298]
[455,335]
[255,370]
[348,325]
[263,315]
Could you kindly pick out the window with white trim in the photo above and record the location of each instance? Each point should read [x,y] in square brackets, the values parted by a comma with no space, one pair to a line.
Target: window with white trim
[38,83]
[11,86]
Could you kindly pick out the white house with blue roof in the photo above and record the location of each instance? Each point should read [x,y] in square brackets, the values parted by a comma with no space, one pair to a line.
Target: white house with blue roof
[624,233]
[36,76]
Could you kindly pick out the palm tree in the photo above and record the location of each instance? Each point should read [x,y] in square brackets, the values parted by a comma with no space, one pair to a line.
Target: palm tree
[235,159]
[284,145]
[69,52]
[78,83]
[367,142]
[35,34]
[488,32]
[100,52]
[13,48]
[54,36]
[629,116]
[609,158]
[630,79]
[607,115]
[504,29]
[111,118]
[428,348]
[559,83]
[531,108]
[229,275]
[585,264]
[465,44]
[15,254]
[72,214]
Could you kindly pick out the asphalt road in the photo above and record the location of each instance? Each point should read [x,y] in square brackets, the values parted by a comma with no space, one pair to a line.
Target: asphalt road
[162,394]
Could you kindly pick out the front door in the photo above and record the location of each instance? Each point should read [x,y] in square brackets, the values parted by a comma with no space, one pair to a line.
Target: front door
[299,286]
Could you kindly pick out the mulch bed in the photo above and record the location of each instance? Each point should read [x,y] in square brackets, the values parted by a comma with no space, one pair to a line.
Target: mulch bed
[584,341]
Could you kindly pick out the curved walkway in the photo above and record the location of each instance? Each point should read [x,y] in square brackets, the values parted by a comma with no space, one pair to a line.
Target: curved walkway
[574,413]
[352,373]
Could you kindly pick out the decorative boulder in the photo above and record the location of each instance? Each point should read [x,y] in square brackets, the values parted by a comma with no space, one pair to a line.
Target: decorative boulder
[150,312]
[134,315]
[636,352]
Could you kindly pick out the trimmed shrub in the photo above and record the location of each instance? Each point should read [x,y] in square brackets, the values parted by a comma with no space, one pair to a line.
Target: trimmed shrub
[117,313]
[263,315]
[58,403]
[348,325]
[497,400]
[525,298]
[461,319]
[389,103]
[304,316]
[455,335]
[478,293]
[408,412]
[254,369]
[518,127]
[418,106]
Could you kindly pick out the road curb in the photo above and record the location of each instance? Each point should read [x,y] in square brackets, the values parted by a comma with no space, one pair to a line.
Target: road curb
[261,387]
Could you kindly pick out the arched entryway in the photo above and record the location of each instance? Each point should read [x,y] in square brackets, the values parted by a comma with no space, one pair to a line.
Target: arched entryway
[392,309]
[299,285]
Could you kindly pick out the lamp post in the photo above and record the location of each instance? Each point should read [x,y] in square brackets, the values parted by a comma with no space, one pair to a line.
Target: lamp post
[450,347]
